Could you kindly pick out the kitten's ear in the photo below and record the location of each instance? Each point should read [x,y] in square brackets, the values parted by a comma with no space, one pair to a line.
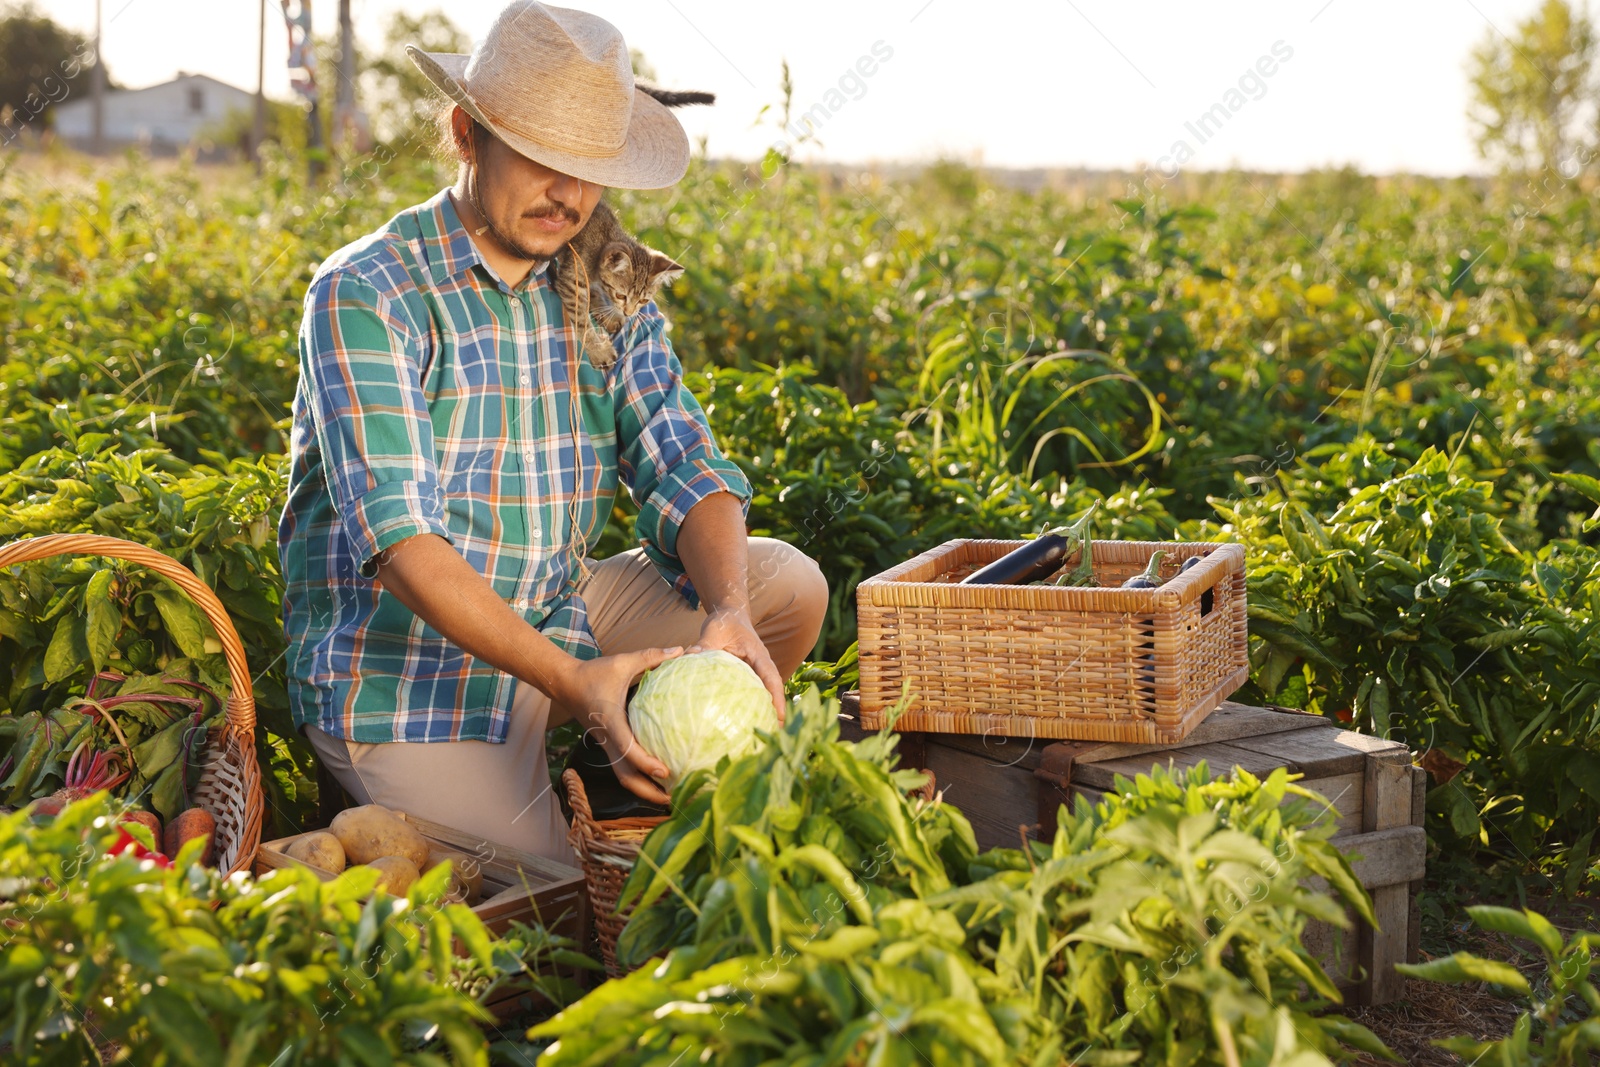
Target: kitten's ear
[662,268]
[616,261]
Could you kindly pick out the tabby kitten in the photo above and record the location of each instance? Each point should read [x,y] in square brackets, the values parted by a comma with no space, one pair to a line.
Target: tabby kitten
[606,272]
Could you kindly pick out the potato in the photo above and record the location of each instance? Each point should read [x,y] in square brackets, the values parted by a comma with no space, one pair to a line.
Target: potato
[466,877]
[397,874]
[370,832]
[321,850]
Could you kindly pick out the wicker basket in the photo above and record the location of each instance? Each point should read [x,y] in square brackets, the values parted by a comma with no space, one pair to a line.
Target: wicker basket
[230,781]
[1060,662]
[607,850]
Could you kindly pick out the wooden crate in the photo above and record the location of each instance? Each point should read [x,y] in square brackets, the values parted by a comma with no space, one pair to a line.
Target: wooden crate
[517,886]
[1104,664]
[1012,787]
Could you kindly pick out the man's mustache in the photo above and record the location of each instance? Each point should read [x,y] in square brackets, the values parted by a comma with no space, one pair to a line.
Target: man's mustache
[547,211]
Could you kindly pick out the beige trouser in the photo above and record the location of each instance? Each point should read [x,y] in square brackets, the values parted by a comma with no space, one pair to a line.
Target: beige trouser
[503,791]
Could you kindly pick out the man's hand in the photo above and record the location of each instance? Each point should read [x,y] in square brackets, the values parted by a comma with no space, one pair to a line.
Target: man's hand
[596,694]
[732,631]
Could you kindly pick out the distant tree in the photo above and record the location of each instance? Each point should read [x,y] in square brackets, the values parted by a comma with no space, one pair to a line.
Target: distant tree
[1529,92]
[41,64]
[398,97]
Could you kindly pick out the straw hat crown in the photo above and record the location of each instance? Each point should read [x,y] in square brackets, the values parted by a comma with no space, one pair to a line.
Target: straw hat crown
[556,85]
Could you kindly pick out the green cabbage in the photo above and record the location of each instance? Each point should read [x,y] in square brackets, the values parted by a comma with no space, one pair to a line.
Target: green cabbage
[691,711]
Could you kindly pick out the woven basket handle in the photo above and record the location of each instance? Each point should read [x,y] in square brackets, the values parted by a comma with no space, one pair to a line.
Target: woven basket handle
[583,824]
[241,710]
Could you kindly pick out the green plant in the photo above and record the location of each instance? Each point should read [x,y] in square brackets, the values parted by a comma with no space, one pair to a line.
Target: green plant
[62,620]
[1164,924]
[901,992]
[789,844]
[1561,1027]
[181,966]
[1408,609]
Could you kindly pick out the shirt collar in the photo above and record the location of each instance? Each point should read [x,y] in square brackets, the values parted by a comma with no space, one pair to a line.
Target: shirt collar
[449,249]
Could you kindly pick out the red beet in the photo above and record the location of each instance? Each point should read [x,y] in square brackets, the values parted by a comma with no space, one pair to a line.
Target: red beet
[85,777]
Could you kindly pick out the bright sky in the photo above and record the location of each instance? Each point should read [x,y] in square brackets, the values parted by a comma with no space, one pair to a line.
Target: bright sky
[1380,84]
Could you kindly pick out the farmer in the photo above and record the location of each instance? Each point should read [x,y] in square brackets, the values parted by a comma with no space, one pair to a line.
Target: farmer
[454,460]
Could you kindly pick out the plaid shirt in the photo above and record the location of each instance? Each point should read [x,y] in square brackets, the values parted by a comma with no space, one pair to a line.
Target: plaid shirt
[434,398]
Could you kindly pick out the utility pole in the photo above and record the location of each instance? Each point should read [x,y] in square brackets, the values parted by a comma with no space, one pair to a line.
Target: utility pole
[344,96]
[258,130]
[97,88]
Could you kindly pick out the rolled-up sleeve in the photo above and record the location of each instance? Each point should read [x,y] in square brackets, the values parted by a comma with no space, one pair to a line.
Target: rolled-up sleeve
[666,455]
[362,367]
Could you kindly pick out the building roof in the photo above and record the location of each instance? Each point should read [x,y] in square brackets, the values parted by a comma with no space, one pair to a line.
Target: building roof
[183,77]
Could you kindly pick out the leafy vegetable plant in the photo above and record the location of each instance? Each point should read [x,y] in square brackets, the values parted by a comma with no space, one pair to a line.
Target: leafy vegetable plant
[1561,1027]
[180,966]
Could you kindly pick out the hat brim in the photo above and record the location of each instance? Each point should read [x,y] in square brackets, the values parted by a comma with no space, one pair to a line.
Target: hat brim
[654,155]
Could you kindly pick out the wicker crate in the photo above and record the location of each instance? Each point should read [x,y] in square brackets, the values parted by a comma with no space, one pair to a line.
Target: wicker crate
[1060,662]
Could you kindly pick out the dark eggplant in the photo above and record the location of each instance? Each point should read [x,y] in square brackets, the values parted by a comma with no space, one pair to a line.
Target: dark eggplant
[1207,598]
[1151,578]
[1039,558]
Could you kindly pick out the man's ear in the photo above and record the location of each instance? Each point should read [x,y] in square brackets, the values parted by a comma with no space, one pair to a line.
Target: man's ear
[663,265]
[464,128]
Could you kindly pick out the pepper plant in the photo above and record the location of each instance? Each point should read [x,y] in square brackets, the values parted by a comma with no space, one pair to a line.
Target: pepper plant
[1561,1027]
[180,966]
[1398,601]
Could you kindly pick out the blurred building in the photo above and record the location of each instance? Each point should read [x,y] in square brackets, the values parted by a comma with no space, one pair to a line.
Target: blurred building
[161,117]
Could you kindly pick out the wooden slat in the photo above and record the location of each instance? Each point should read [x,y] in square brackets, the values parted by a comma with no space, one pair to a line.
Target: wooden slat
[1229,722]
[1313,753]
[997,802]
[1419,819]
[1386,804]
[1221,758]
[1382,949]
[1344,792]
[1386,801]
[1393,857]
[1326,941]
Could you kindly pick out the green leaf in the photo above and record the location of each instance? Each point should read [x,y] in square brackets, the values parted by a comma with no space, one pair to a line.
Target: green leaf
[1465,967]
[69,650]
[1525,924]
[184,623]
[167,795]
[1583,769]
[183,1030]
[155,754]
[1358,1037]
[104,619]
[843,945]
[363,1042]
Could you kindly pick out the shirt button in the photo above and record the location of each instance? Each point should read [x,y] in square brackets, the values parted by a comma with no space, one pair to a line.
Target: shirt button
[527,453]
[526,379]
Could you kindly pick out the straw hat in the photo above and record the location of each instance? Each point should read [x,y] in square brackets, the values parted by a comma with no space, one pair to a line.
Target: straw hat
[557,86]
